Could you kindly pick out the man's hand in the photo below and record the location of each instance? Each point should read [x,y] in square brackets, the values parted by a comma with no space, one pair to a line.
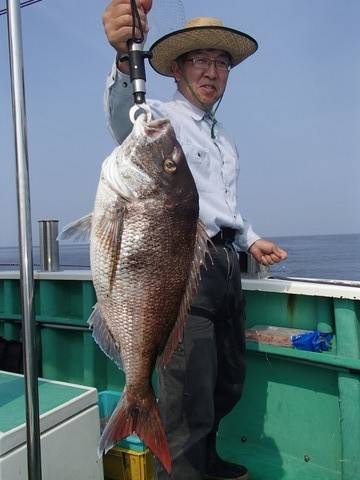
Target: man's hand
[117,20]
[267,253]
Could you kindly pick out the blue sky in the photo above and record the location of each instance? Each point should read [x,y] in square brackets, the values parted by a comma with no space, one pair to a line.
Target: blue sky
[293,107]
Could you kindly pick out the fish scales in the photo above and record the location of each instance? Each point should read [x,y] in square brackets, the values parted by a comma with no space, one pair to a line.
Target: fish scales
[149,284]
[146,249]
[153,260]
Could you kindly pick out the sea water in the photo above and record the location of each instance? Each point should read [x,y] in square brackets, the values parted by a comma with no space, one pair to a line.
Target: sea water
[316,256]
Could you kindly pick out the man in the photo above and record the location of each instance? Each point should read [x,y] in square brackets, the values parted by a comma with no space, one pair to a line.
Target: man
[205,376]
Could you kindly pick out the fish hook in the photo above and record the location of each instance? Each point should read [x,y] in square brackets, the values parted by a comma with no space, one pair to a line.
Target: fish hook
[141,106]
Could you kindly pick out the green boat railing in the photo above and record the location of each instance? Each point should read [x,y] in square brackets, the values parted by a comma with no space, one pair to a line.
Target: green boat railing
[300,413]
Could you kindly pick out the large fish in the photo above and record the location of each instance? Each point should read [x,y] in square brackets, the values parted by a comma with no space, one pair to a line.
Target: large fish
[146,247]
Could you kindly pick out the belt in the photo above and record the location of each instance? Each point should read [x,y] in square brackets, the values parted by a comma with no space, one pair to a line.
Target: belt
[225,235]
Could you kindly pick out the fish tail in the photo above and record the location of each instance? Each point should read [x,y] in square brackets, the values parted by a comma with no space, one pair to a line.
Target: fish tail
[140,416]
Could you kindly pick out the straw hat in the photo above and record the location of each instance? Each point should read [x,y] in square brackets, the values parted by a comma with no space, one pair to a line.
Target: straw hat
[201,33]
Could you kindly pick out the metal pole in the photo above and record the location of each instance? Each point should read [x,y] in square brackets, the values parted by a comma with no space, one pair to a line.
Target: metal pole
[250,268]
[49,246]
[25,241]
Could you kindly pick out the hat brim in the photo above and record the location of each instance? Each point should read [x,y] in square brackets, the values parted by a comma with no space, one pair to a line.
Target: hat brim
[164,51]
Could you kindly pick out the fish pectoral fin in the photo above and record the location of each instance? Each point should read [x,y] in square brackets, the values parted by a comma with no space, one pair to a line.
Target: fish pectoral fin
[78,231]
[103,337]
[200,250]
[109,231]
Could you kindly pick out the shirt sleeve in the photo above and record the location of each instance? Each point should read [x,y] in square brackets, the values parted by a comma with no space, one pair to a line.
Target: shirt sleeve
[117,102]
[245,237]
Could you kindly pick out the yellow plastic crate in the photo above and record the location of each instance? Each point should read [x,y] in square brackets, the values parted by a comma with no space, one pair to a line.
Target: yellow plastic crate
[123,464]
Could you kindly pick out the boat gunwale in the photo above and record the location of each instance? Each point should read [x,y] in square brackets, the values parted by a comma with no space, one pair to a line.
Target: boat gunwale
[296,285]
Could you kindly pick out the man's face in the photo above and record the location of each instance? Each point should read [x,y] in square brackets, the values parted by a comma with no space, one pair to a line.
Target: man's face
[202,86]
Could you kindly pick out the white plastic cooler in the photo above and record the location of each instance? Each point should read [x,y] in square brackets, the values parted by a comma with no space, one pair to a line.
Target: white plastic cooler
[69,425]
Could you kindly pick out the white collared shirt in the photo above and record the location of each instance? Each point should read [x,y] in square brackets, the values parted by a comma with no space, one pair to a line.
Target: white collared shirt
[214,163]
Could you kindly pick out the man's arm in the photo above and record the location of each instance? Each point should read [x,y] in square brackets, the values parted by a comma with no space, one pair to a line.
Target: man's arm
[118,100]
[118,25]
[246,237]
[117,20]
[267,253]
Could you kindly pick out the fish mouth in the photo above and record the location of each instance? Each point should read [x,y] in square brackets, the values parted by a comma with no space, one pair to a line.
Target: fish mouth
[155,128]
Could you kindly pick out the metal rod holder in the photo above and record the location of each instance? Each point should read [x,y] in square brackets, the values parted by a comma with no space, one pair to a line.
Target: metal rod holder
[49,246]
[250,268]
[25,241]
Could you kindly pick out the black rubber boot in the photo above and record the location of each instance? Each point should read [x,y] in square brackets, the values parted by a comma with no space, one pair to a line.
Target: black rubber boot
[219,469]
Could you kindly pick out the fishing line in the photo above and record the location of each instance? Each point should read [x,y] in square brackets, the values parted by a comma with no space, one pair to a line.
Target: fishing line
[164,17]
[24,4]
[136,22]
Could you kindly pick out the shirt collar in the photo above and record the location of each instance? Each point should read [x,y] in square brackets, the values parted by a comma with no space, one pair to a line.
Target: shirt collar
[195,112]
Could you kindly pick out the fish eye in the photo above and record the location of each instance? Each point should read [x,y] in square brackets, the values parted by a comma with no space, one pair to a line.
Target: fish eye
[169,166]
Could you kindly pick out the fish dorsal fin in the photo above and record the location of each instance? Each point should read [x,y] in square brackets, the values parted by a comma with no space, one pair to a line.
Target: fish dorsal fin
[103,337]
[78,231]
[200,250]
[109,232]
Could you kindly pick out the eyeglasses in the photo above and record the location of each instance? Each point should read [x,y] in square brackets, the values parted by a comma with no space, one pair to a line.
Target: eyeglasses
[203,63]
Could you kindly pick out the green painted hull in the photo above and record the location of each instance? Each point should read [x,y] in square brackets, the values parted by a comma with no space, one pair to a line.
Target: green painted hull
[300,413]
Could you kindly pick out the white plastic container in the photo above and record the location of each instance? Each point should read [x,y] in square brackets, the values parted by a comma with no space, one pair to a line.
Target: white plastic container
[69,426]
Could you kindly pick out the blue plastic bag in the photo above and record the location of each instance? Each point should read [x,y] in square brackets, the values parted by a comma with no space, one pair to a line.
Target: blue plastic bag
[312,341]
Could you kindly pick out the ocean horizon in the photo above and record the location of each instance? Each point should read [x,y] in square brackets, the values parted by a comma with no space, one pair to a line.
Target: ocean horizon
[335,257]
